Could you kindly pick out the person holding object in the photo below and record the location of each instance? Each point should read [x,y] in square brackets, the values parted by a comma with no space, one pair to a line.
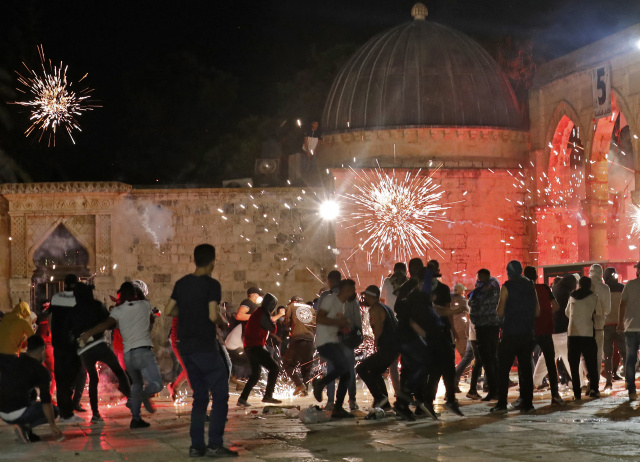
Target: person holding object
[18,378]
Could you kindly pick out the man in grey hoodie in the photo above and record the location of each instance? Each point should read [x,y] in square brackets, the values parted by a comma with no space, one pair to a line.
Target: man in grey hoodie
[603,292]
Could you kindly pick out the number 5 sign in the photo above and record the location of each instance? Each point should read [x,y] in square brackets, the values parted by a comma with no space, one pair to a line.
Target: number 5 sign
[601,77]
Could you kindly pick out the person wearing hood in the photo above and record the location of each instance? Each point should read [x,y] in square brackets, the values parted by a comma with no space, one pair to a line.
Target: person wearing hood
[612,338]
[519,306]
[261,322]
[604,301]
[14,330]
[582,310]
[483,304]
[561,292]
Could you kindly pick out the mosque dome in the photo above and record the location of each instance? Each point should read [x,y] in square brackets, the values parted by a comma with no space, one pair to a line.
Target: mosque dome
[420,74]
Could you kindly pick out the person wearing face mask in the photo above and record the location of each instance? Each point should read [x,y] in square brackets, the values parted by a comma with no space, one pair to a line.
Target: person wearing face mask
[248,306]
[260,323]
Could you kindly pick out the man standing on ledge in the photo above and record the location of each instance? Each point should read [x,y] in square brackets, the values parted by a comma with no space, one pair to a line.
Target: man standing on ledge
[195,301]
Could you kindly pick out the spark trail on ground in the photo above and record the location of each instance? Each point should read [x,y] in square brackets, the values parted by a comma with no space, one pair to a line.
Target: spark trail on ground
[53,102]
[395,212]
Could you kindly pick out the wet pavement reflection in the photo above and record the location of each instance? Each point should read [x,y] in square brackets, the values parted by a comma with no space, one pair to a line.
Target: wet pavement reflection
[605,429]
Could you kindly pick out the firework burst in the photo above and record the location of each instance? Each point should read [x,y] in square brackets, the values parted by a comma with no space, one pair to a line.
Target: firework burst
[634,215]
[395,212]
[53,102]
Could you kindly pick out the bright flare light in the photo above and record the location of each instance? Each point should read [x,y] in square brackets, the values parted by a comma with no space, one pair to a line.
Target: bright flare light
[53,103]
[634,215]
[329,210]
[395,212]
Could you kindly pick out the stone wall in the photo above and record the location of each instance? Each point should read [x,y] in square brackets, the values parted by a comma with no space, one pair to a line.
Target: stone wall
[486,229]
[267,238]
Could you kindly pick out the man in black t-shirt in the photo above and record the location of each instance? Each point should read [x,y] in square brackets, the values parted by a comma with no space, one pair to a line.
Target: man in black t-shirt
[18,378]
[195,301]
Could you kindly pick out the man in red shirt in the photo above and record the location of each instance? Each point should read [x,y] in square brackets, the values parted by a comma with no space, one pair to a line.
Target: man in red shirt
[261,322]
[543,331]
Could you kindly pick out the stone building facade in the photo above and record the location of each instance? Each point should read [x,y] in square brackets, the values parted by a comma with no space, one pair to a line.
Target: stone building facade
[269,238]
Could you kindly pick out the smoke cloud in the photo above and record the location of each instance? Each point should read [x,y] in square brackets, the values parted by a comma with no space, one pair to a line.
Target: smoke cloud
[147,219]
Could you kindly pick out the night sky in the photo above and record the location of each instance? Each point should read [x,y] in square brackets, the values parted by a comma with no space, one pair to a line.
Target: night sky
[175,78]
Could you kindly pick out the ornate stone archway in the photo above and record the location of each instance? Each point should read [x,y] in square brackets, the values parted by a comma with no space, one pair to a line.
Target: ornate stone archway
[35,210]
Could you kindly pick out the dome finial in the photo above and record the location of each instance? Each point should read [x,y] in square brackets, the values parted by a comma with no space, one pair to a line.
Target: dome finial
[419,12]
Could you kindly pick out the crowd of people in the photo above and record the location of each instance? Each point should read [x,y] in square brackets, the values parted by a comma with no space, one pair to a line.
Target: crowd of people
[409,329]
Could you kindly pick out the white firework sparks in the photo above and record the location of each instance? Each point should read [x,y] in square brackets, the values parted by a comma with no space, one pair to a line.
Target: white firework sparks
[53,103]
[395,212]
[634,215]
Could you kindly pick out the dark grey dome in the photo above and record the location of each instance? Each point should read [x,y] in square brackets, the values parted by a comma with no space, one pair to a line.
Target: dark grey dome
[420,74]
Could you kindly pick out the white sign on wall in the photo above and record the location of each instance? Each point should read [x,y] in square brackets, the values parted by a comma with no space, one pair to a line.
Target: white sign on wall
[601,78]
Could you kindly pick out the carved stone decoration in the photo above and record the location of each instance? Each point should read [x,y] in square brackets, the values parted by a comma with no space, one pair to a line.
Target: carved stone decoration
[103,244]
[18,247]
[76,187]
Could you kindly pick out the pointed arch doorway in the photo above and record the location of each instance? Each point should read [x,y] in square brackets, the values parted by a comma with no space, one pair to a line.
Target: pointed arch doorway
[59,254]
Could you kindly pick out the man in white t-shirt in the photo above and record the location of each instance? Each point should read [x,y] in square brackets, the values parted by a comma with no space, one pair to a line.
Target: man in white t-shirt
[629,323]
[133,318]
[330,321]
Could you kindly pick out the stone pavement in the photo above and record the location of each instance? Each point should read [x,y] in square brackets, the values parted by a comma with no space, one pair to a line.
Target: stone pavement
[607,429]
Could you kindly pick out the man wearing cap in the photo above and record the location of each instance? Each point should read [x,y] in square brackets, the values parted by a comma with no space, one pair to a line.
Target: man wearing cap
[301,321]
[383,323]
[248,306]
[629,323]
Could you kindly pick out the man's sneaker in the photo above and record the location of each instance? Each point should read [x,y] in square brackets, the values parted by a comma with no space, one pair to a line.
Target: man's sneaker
[300,390]
[243,402]
[353,406]
[498,410]
[22,433]
[557,401]
[490,397]
[148,405]
[33,438]
[271,400]
[340,413]
[139,423]
[78,408]
[382,403]
[616,377]
[220,451]
[473,394]
[516,405]
[329,407]
[96,419]
[632,396]
[427,410]
[197,452]
[593,394]
[72,420]
[527,409]
[454,407]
